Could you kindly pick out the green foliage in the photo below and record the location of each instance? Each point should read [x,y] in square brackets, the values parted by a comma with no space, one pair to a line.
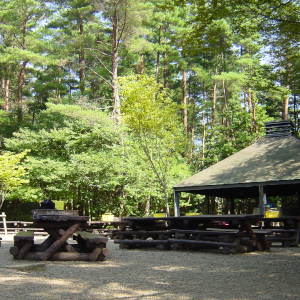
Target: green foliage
[79,156]
[225,67]
[152,117]
[12,173]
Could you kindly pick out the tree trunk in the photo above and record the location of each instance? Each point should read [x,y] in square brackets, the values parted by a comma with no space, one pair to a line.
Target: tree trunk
[167,201]
[185,111]
[147,208]
[116,98]
[22,75]
[157,58]
[81,61]
[203,140]
[253,110]
[214,98]
[192,125]
[165,70]
[140,66]
[285,108]
[224,206]
[21,81]
[5,93]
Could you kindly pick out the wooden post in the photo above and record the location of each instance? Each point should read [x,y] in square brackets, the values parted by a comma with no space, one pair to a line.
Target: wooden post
[232,206]
[3,215]
[176,204]
[58,243]
[299,199]
[262,199]
[207,203]
[251,234]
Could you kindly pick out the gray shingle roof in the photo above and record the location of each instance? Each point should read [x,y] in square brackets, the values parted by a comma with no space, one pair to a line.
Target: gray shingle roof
[275,160]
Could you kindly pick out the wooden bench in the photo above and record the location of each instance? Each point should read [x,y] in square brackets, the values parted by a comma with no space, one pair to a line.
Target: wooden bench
[160,244]
[287,237]
[95,242]
[285,229]
[89,237]
[24,235]
[231,241]
[143,235]
[23,242]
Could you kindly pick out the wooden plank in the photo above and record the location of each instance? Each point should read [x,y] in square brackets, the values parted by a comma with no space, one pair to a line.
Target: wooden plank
[279,239]
[64,256]
[24,235]
[209,232]
[61,225]
[143,232]
[92,237]
[55,212]
[142,242]
[205,243]
[59,218]
[262,232]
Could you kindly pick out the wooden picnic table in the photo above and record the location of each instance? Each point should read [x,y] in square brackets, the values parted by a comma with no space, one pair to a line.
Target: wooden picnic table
[284,229]
[60,225]
[194,232]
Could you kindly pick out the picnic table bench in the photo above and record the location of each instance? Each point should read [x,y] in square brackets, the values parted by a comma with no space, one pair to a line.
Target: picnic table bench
[284,229]
[231,241]
[106,228]
[60,225]
[193,232]
[23,242]
[143,234]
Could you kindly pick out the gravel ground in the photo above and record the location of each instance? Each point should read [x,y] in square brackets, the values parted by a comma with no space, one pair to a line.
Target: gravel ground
[153,274]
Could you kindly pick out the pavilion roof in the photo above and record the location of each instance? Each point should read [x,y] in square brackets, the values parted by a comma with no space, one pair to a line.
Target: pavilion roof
[273,162]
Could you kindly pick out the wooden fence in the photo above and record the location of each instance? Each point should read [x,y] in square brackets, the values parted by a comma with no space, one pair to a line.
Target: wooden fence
[104,227]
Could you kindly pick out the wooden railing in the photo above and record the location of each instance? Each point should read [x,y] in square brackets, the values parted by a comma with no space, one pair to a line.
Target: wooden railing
[105,228]
[4,226]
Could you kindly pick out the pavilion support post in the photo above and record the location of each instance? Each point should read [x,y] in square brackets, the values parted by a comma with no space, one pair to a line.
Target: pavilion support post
[232,206]
[207,203]
[299,199]
[262,199]
[176,204]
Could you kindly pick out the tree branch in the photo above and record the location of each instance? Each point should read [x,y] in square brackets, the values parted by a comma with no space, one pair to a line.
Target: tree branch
[103,53]
[103,65]
[96,73]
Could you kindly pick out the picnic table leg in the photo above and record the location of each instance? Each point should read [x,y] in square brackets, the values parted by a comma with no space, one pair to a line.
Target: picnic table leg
[252,235]
[58,243]
[56,235]
[297,234]
[26,247]
[264,243]
[44,245]
[98,250]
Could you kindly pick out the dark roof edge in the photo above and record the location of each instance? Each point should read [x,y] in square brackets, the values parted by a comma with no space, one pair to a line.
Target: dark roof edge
[237,185]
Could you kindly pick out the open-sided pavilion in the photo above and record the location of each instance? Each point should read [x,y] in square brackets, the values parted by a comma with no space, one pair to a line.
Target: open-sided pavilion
[267,168]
